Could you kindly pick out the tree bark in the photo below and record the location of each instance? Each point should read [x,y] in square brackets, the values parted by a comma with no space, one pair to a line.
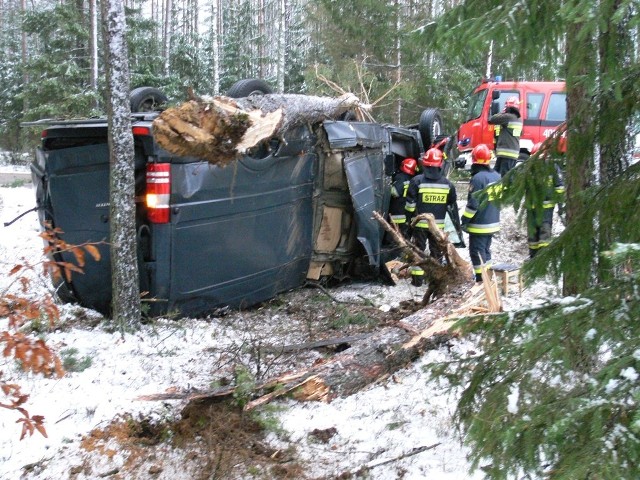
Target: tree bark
[580,149]
[124,262]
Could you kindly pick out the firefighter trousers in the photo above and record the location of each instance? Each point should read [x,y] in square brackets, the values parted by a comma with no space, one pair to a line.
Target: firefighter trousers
[420,236]
[480,252]
[504,164]
[539,230]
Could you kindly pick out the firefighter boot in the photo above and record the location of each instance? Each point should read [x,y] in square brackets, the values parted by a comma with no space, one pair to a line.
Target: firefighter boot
[417,276]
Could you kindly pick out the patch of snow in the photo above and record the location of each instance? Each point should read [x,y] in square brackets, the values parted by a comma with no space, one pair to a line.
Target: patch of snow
[513,397]
[630,374]
[384,422]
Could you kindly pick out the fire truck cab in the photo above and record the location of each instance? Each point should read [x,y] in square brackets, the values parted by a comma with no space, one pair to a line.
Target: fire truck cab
[542,107]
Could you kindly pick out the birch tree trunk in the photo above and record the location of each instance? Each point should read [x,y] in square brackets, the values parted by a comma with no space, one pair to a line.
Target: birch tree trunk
[93,44]
[398,58]
[282,44]
[122,212]
[23,43]
[262,39]
[215,46]
[166,36]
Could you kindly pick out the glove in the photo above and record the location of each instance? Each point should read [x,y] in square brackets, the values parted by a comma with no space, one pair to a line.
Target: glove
[464,227]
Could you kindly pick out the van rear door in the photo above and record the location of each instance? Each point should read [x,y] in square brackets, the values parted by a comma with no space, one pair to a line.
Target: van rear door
[74,184]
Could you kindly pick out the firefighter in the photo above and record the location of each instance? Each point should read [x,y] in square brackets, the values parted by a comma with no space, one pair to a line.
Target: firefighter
[431,192]
[508,127]
[399,187]
[539,226]
[481,217]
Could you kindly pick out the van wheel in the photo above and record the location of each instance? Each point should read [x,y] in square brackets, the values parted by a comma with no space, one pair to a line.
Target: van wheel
[249,87]
[430,126]
[146,99]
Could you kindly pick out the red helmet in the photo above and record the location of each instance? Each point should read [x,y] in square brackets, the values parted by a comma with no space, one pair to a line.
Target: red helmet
[536,148]
[432,158]
[513,101]
[481,154]
[409,166]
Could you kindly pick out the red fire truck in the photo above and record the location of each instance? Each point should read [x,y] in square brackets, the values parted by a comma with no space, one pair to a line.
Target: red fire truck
[542,106]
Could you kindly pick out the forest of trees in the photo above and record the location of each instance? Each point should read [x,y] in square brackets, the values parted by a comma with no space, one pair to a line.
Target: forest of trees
[53,65]
[573,366]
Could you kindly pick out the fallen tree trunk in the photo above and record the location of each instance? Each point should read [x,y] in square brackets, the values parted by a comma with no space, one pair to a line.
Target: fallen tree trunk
[220,129]
[366,361]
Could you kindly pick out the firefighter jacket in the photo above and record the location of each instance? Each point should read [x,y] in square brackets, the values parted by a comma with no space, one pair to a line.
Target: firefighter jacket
[508,127]
[554,191]
[481,217]
[399,187]
[430,192]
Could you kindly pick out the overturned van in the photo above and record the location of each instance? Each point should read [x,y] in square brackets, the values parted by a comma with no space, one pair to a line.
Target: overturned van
[297,209]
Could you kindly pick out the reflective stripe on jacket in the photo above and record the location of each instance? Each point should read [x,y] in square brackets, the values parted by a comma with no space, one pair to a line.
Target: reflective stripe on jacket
[485,219]
[398,201]
[509,129]
[430,192]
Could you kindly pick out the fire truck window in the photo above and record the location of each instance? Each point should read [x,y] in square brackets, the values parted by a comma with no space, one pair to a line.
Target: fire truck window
[534,105]
[505,95]
[476,102]
[557,109]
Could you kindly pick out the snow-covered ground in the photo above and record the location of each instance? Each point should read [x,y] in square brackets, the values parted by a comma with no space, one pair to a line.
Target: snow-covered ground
[387,421]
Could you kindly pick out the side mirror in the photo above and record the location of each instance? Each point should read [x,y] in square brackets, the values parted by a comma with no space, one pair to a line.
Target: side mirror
[495,107]
[495,95]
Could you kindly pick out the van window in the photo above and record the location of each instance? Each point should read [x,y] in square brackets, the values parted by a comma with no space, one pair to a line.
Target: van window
[534,105]
[557,109]
[476,102]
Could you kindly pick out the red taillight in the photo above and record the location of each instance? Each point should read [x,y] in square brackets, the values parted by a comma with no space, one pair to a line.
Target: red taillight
[44,133]
[141,130]
[158,192]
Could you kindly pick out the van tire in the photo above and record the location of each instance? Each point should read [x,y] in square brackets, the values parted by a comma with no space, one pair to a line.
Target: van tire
[430,126]
[146,99]
[249,87]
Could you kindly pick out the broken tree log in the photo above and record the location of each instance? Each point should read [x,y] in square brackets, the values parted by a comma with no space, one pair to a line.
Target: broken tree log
[440,278]
[220,129]
[366,361]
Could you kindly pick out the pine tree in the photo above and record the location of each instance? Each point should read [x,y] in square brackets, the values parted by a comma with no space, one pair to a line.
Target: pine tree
[554,392]
[58,67]
[10,79]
